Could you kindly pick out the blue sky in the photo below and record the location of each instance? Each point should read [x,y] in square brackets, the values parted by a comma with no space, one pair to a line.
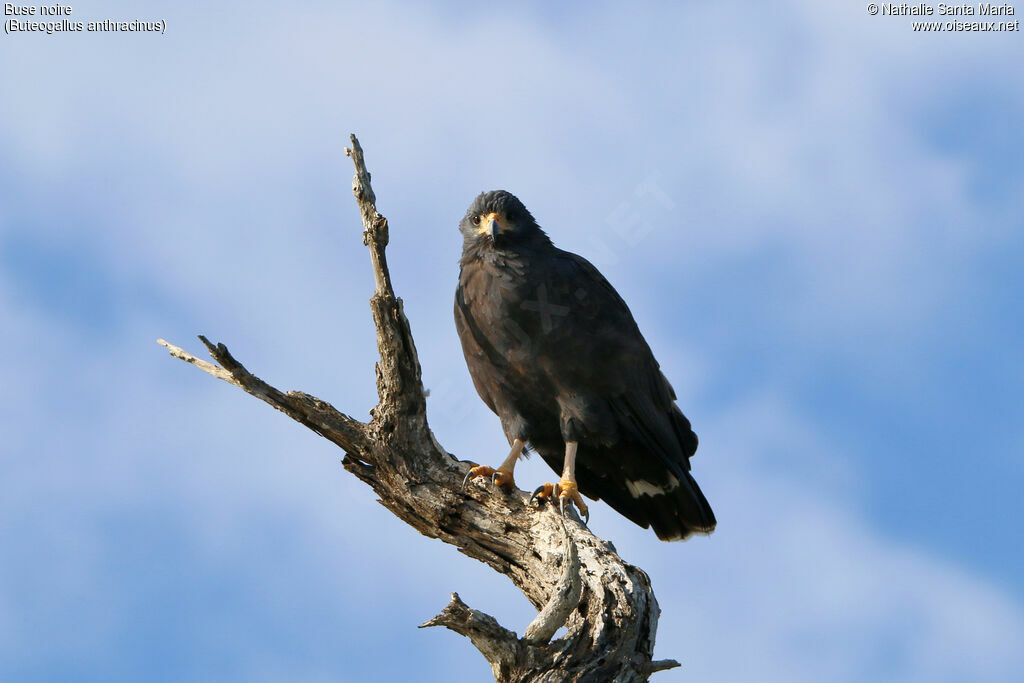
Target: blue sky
[815,215]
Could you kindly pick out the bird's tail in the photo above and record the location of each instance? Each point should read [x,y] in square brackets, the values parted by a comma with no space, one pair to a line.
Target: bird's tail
[680,512]
[652,496]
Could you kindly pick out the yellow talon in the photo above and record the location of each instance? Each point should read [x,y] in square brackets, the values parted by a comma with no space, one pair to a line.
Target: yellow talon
[543,492]
[567,490]
[503,479]
[500,478]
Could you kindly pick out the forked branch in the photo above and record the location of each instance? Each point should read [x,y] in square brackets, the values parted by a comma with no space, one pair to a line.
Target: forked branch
[574,579]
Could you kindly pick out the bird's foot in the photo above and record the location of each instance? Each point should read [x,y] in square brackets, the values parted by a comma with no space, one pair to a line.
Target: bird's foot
[567,492]
[499,477]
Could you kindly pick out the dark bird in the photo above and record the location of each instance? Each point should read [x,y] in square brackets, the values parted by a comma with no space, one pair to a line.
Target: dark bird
[554,351]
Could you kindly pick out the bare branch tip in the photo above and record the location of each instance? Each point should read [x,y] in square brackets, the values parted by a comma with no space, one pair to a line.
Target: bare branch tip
[176,351]
[661,665]
[431,622]
[355,151]
[455,603]
[445,617]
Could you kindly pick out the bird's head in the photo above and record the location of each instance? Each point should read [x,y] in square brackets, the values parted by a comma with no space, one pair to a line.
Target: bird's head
[497,219]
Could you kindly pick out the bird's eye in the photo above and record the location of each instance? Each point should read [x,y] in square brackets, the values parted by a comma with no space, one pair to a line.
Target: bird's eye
[476,220]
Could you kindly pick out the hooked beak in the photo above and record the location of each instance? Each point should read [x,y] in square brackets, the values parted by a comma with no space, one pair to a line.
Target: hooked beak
[490,225]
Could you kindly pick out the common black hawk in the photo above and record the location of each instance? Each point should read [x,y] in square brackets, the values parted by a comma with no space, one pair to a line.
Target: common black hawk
[554,351]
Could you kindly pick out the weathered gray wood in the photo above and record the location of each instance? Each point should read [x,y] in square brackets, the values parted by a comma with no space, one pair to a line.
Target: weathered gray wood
[574,578]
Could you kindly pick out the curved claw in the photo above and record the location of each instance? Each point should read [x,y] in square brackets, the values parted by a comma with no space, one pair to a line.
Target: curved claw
[477,471]
[561,509]
[585,511]
[542,492]
[567,490]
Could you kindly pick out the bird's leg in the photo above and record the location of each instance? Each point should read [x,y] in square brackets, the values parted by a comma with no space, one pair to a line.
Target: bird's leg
[502,476]
[566,488]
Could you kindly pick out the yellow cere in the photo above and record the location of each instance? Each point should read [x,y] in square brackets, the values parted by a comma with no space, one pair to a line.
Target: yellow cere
[485,223]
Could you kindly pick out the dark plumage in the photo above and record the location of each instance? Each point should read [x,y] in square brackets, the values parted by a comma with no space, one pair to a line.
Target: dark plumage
[554,351]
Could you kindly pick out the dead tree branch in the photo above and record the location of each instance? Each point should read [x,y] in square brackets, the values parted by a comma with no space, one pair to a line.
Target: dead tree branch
[575,579]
